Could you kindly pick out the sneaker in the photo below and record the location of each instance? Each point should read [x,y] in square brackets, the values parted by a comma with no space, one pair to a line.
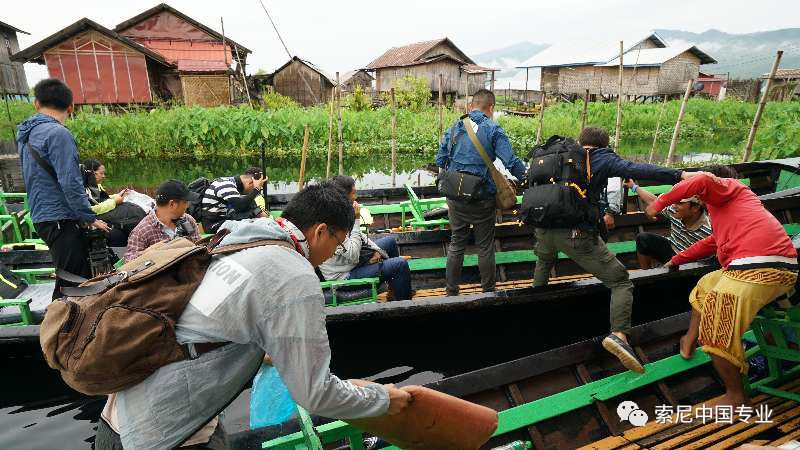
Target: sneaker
[624,352]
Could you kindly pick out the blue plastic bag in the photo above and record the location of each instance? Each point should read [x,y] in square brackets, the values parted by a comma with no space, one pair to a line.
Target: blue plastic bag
[270,401]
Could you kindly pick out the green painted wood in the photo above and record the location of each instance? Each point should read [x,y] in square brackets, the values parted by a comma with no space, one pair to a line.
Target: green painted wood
[26,318]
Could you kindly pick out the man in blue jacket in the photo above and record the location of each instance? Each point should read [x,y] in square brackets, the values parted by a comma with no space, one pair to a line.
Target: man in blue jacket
[584,246]
[50,167]
[462,156]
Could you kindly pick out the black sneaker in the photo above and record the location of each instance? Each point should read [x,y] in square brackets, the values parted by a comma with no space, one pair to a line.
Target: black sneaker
[624,352]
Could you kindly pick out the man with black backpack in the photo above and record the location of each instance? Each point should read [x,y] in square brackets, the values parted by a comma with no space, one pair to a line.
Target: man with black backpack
[565,203]
[59,206]
[470,190]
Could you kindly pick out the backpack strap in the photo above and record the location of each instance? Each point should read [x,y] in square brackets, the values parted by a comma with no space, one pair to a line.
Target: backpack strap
[45,165]
[225,249]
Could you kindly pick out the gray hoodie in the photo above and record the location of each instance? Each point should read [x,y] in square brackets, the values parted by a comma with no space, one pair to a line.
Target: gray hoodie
[264,299]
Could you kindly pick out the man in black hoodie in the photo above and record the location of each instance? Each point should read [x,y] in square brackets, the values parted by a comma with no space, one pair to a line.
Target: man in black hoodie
[232,198]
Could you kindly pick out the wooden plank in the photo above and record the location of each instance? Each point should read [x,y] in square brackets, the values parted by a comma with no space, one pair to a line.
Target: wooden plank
[753,431]
[516,396]
[602,407]
[653,428]
[789,437]
[711,433]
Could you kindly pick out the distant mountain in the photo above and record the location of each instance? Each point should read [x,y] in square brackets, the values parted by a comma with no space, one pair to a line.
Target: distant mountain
[507,58]
[743,55]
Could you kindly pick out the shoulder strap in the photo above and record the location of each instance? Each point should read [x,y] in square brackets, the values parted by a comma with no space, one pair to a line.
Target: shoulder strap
[225,249]
[46,166]
[451,144]
[478,146]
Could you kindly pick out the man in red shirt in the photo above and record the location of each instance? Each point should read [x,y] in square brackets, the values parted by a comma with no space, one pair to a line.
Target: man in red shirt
[759,264]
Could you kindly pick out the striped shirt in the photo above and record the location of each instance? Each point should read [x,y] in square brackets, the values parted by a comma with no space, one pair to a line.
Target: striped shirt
[681,237]
[216,197]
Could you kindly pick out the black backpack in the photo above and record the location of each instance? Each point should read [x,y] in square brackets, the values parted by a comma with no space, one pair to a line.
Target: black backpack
[558,179]
[199,187]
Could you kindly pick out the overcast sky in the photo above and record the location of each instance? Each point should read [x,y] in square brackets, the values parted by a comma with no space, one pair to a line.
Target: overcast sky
[348,34]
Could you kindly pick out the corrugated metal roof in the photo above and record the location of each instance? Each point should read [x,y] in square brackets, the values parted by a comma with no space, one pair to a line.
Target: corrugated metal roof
[474,68]
[657,56]
[587,52]
[194,65]
[784,74]
[411,54]
[5,25]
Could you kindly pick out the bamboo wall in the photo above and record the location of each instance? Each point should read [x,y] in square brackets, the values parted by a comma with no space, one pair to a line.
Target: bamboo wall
[206,90]
[302,83]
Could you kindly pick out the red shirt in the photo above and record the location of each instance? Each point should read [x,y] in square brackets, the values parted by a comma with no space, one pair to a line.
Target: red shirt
[744,233]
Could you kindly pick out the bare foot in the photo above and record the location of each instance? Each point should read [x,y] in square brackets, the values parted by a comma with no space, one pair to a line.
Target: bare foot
[688,346]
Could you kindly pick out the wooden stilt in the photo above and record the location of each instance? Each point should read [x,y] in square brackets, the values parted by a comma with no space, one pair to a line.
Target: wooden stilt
[394,138]
[330,136]
[677,131]
[658,128]
[585,110]
[760,110]
[541,120]
[301,181]
[339,124]
[441,111]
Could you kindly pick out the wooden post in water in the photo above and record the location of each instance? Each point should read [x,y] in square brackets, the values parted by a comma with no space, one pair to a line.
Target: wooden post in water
[760,110]
[585,110]
[526,85]
[330,136]
[339,124]
[441,111]
[676,132]
[491,86]
[541,120]
[394,138]
[302,179]
[619,98]
[658,128]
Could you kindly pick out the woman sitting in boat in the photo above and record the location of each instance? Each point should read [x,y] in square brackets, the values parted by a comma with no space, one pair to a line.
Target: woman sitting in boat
[120,216]
[358,256]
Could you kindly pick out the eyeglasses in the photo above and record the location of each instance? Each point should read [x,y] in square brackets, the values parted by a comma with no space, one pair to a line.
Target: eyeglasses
[339,244]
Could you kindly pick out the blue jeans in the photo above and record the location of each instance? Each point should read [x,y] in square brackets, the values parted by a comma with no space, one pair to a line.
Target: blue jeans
[394,270]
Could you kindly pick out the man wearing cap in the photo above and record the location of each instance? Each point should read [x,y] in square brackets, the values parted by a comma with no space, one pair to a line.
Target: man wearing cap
[688,221]
[167,221]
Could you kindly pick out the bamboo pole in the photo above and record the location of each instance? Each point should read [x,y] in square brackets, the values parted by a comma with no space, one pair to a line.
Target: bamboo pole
[244,77]
[761,105]
[585,109]
[526,85]
[330,136]
[301,182]
[619,98]
[541,120]
[658,128]
[339,124]
[676,132]
[224,51]
[491,86]
[394,138]
[441,111]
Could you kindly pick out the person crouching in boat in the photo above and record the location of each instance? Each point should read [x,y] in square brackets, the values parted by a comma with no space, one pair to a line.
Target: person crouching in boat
[759,264]
[688,223]
[112,209]
[361,257]
[261,300]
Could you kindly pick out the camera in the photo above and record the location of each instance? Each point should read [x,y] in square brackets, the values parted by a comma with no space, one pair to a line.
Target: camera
[100,259]
[183,228]
[258,175]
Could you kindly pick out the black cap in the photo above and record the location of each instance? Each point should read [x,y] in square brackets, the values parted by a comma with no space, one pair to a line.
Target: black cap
[174,190]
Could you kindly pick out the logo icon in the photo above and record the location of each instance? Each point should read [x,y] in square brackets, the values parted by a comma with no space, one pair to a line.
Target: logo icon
[630,411]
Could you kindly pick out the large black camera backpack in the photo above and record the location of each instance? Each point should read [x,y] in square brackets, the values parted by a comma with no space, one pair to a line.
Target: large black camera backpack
[558,179]
[195,208]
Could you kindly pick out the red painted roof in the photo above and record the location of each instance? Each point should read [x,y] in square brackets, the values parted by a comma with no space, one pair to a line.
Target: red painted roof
[194,65]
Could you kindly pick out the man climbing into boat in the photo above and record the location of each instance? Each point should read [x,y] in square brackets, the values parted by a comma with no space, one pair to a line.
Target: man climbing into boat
[759,265]
[688,223]
[263,299]
[475,206]
[361,257]
[582,242]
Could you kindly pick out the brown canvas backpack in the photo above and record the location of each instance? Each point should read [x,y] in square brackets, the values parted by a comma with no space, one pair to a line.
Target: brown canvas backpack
[114,331]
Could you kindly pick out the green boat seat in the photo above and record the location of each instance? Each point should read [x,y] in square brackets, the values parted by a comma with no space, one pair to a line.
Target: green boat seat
[776,331]
[26,318]
[35,276]
[350,292]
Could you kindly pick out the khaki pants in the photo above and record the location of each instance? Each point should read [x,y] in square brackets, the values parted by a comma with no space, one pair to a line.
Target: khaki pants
[590,252]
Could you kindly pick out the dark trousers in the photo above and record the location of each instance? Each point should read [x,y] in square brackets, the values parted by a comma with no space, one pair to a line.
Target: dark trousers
[67,243]
[393,270]
[107,439]
[655,246]
[481,216]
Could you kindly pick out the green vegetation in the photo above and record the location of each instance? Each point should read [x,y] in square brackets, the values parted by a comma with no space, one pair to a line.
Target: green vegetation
[410,93]
[240,131]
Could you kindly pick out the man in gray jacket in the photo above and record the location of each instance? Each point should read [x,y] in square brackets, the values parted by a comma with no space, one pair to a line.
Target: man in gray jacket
[264,299]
